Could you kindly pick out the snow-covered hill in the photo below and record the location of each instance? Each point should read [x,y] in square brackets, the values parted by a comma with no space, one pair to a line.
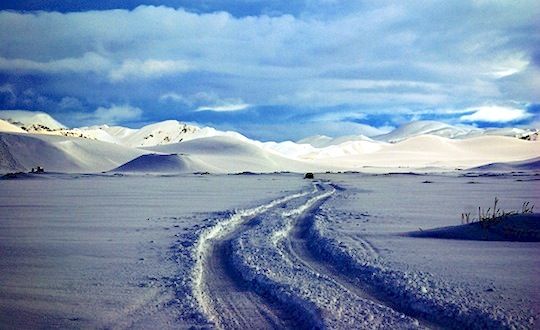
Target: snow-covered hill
[232,154]
[6,126]
[165,132]
[31,120]
[103,148]
[21,152]
[165,164]
[524,165]
[323,141]
[426,127]
[436,128]
[429,151]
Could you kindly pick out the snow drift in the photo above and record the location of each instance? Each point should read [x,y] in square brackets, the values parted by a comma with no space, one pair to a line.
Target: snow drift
[517,228]
[525,165]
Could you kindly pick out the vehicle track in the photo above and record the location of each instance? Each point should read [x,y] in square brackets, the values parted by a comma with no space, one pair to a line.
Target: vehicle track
[234,303]
[299,251]
[228,300]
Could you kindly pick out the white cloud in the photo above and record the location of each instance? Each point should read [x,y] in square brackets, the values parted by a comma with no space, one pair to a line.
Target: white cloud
[148,69]
[174,97]
[495,114]
[112,115]
[509,66]
[89,62]
[92,62]
[377,57]
[70,103]
[8,91]
[117,113]
[206,101]
[237,106]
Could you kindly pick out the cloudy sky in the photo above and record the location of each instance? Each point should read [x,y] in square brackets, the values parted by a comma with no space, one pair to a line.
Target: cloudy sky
[273,69]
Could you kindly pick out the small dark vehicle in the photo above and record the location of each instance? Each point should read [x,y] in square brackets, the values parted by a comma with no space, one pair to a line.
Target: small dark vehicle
[38,169]
[309,175]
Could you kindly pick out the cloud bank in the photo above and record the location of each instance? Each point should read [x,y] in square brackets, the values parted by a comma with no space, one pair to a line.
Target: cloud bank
[341,63]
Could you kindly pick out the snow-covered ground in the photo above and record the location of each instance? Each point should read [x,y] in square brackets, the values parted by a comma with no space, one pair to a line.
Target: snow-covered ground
[95,251]
[487,283]
[116,251]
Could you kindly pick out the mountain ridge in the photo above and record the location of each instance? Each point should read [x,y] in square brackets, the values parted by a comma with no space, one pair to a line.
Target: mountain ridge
[103,148]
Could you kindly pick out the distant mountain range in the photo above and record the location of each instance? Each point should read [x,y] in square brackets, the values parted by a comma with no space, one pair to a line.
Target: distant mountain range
[28,139]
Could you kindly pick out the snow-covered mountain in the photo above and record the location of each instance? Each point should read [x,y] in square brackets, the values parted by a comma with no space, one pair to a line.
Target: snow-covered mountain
[21,152]
[165,163]
[426,127]
[6,126]
[166,132]
[190,148]
[230,154]
[436,128]
[31,120]
[323,141]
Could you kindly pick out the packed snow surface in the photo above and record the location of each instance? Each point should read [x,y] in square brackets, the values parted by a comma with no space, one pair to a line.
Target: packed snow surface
[179,251]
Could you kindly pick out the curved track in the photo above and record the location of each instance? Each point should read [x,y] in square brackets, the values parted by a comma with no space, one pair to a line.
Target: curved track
[231,302]
[228,300]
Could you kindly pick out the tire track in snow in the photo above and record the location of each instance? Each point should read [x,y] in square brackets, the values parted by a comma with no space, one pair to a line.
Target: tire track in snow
[295,245]
[224,297]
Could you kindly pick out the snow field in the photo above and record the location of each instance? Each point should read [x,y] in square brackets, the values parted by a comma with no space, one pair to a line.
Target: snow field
[418,293]
[86,251]
[474,284]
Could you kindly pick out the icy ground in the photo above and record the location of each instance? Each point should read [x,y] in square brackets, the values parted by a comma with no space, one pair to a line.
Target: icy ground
[261,251]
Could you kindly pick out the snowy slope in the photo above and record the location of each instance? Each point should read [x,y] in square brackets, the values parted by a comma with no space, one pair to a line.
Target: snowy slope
[415,145]
[417,128]
[431,151]
[165,132]
[29,118]
[289,148]
[21,152]
[426,127]
[230,154]
[6,126]
[323,141]
[525,165]
[165,163]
